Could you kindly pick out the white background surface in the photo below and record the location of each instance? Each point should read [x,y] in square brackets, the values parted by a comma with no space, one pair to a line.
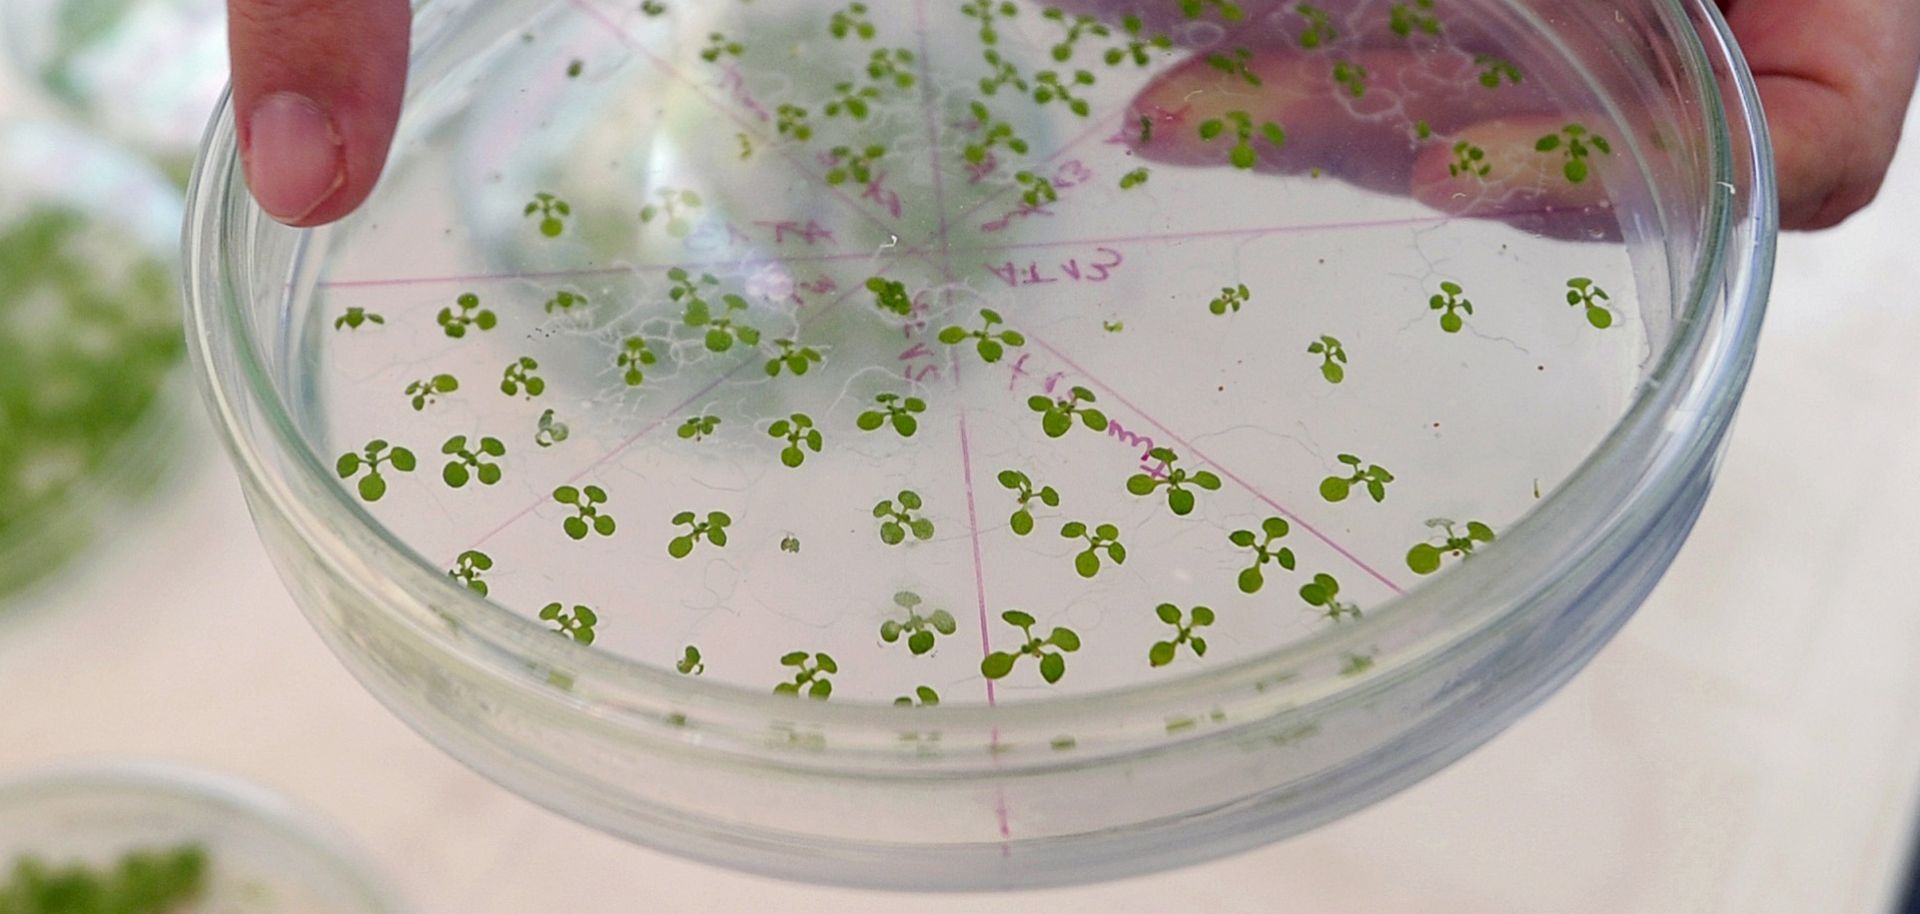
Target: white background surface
[1750,743]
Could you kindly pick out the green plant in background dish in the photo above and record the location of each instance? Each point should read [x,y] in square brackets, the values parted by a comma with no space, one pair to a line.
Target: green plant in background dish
[147,881]
[851,20]
[1577,144]
[1407,18]
[552,213]
[1051,651]
[674,210]
[1242,154]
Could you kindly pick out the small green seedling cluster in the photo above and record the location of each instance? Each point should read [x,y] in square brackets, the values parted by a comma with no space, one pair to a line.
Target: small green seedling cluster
[1242,154]
[1163,652]
[1582,292]
[469,569]
[470,463]
[855,101]
[851,20]
[800,435]
[1051,651]
[993,133]
[1174,479]
[1036,190]
[1134,178]
[1577,144]
[719,45]
[712,528]
[895,66]
[1050,86]
[989,343]
[1373,477]
[926,696]
[1272,530]
[653,8]
[427,391]
[1319,30]
[1469,160]
[809,675]
[895,410]
[1453,540]
[549,431]
[674,211]
[854,164]
[1355,664]
[1494,71]
[722,332]
[1352,77]
[1323,593]
[690,663]
[890,295]
[1236,64]
[1104,538]
[575,68]
[1138,47]
[576,623]
[519,378]
[552,213]
[988,12]
[1333,358]
[1078,26]
[564,301]
[921,631]
[635,355]
[897,517]
[375,455]
[355,318]
[465,312]
[1451,304]
[1024,491]
[588,516]
[1001,72]
[791,121]
[1407,18]
[1056,416]
[1230,299]
[790,356]
[790,544]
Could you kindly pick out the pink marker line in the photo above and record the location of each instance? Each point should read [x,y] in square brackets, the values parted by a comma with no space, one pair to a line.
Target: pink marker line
[973,528]
[1237,480]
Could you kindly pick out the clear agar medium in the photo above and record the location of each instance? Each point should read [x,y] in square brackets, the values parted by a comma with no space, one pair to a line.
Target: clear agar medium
[967,444]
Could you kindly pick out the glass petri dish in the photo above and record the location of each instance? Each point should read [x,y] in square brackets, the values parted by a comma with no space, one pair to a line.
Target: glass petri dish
[91,390]
[260,854]
[847,442]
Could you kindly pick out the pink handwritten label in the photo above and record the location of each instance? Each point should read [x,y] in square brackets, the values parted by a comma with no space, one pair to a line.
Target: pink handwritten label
[735,85]
[877,191]
[811,232]
[1097,268]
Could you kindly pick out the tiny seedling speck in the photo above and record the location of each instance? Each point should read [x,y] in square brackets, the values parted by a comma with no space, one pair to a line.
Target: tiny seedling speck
[890,295]
[1319,30]
[674,211]
[549,431]
[855,164]
[719,45]
[1134,178]
[1494,71]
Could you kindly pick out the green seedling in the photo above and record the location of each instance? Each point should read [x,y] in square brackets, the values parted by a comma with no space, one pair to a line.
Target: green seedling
[549,431]
[1373,477]
[890,295]
[897,520]
[989,12]
[895,66]
[1175,480]
[798,431]
[1051,651]
[577,623]
[1235,64]
[792,357]
[588,516]
[990,343]
[791,121]
[1242,154]
[1355,664]
[1323,593]
[1002,73]
[1422,130]
[1138,48]
[746,146]
[1104,538]
[1229,299]
[719,45]
[1272,530]
[469,568]
[1056,416]
[142,880]
[809,675]
[575,68]
[1050,86]
[690,663]
[1469,160]
[674,211]
[713,529]
[1319,31]
[894,410]
[851,20]
[553,213]
[1494,70]
[854,101]
[564,301]
[920,630]
[1134,178]
[1452,539]
[519,377]
[926,695]
[1024,491]
[355,318]
[471,463]
[1407,18]
[1077,26]
[724,331]
[1581,291]
[371,458]
[790,544]
[1333,358]
[1038,191]
[653,8]
[1229,11]
[1352,77]
[1163,652]
[1113,326]
[427,391]
[635,354]
[1577,144]
[854,164]
[1451,304]
[993,133]
[465,312]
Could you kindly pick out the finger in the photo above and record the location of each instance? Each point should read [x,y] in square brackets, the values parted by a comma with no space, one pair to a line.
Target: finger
[317,86]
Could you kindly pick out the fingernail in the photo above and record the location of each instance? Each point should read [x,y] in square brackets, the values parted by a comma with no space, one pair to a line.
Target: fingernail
[293,159]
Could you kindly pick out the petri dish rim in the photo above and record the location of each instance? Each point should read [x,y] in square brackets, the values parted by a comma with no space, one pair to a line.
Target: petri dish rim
[1639,465]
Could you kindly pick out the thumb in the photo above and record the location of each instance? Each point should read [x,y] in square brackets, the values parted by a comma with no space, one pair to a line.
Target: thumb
[317,86]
